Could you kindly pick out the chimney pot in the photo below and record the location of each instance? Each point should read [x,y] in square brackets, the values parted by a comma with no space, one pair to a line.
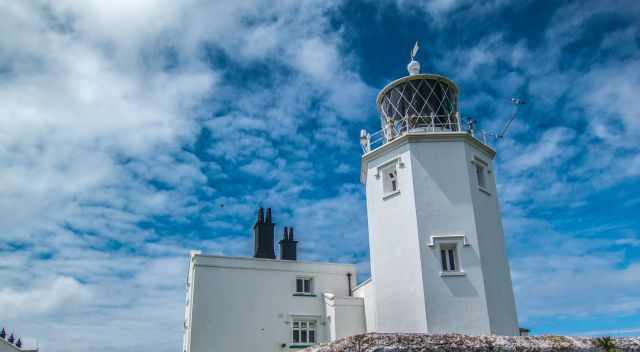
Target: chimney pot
[260,215]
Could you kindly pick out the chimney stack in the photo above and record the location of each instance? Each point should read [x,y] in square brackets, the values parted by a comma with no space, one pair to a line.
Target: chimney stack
[260,215]
[263,236]
[288,247]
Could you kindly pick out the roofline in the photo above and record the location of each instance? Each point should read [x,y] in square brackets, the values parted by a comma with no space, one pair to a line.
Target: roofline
[269,260]
[19,348]
[431,76]
[362,284]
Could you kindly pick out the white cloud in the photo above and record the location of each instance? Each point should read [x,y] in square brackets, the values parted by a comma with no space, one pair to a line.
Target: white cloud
[101,105]
[553,145]
[577,283]
[56,295]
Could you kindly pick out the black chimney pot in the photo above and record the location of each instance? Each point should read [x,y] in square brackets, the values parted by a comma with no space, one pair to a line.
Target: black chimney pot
[288,247]
[263,236]
[260,215]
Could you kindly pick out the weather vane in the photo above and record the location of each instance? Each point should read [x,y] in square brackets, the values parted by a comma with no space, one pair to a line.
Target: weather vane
[414,51]
[414,66]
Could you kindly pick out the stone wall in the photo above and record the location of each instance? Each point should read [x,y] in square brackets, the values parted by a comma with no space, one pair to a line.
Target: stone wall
[375,342]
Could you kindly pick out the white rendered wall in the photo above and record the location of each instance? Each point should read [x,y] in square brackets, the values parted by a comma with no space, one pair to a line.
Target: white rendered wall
[438,197]
[5,346]
[345,316]
[497,276]
[365,291]
[394,248]
[247,304]
[444,207]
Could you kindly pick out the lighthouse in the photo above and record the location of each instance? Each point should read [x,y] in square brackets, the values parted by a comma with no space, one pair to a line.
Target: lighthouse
[437,248]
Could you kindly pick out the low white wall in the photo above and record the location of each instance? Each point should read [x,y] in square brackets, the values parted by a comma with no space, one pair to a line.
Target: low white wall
[345,316]
[366,291]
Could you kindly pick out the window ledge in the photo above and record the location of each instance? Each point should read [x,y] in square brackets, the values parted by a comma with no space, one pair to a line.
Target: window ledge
[300,345]
[484,190]
[299,294]
[390,195]
[452,273]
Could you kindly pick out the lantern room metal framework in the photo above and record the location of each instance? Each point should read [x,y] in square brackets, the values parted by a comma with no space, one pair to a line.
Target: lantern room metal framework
[420,103]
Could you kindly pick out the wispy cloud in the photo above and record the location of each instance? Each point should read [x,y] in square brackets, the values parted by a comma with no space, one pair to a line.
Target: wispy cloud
[133,132]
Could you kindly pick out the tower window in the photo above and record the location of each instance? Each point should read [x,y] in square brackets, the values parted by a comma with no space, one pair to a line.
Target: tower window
[449,259]
[482,182]
[390,179]
[481,173]
[303,285]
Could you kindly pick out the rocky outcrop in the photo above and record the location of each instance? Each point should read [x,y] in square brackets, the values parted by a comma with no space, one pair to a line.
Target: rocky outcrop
[375,342]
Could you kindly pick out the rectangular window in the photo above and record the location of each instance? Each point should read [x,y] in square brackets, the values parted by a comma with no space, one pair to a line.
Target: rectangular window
[448,259]
[304,331]
[482,182]
[390,179]
[481,169]
[304,285]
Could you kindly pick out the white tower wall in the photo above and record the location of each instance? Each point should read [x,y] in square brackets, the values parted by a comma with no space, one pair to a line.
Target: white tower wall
[394,248]
[438,205]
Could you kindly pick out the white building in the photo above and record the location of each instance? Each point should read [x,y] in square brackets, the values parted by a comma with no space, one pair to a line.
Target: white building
[437,251]
[11,343]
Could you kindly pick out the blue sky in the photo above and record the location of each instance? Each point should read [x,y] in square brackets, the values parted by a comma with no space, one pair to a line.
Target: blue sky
[125,126]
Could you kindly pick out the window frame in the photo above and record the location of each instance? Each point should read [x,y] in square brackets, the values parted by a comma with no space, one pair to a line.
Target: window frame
[390,183]
[387,184]
[309,330]
[481,172]
[449,260]
[453,242]
[305,280]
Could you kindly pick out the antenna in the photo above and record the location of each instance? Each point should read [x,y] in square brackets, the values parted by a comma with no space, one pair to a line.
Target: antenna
[516,103]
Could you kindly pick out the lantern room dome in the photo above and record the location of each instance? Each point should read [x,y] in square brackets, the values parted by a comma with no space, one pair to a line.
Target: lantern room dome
[425,101]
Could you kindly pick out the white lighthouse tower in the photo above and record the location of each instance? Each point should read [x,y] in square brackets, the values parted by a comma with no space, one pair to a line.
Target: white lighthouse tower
[437,249]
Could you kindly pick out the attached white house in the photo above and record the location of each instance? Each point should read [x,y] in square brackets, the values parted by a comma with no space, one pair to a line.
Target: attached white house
[266,304]
[437,249]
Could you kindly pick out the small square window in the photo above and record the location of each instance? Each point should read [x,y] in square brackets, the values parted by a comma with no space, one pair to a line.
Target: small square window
[449,258]
[304,285]
[390,179]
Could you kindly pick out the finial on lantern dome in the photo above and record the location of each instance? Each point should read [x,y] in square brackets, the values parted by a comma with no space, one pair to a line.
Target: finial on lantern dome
[414,66]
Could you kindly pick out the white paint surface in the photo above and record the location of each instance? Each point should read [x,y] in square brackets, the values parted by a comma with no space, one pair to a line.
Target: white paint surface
[345,316]
[438,196]
[5,346]
[248,304]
